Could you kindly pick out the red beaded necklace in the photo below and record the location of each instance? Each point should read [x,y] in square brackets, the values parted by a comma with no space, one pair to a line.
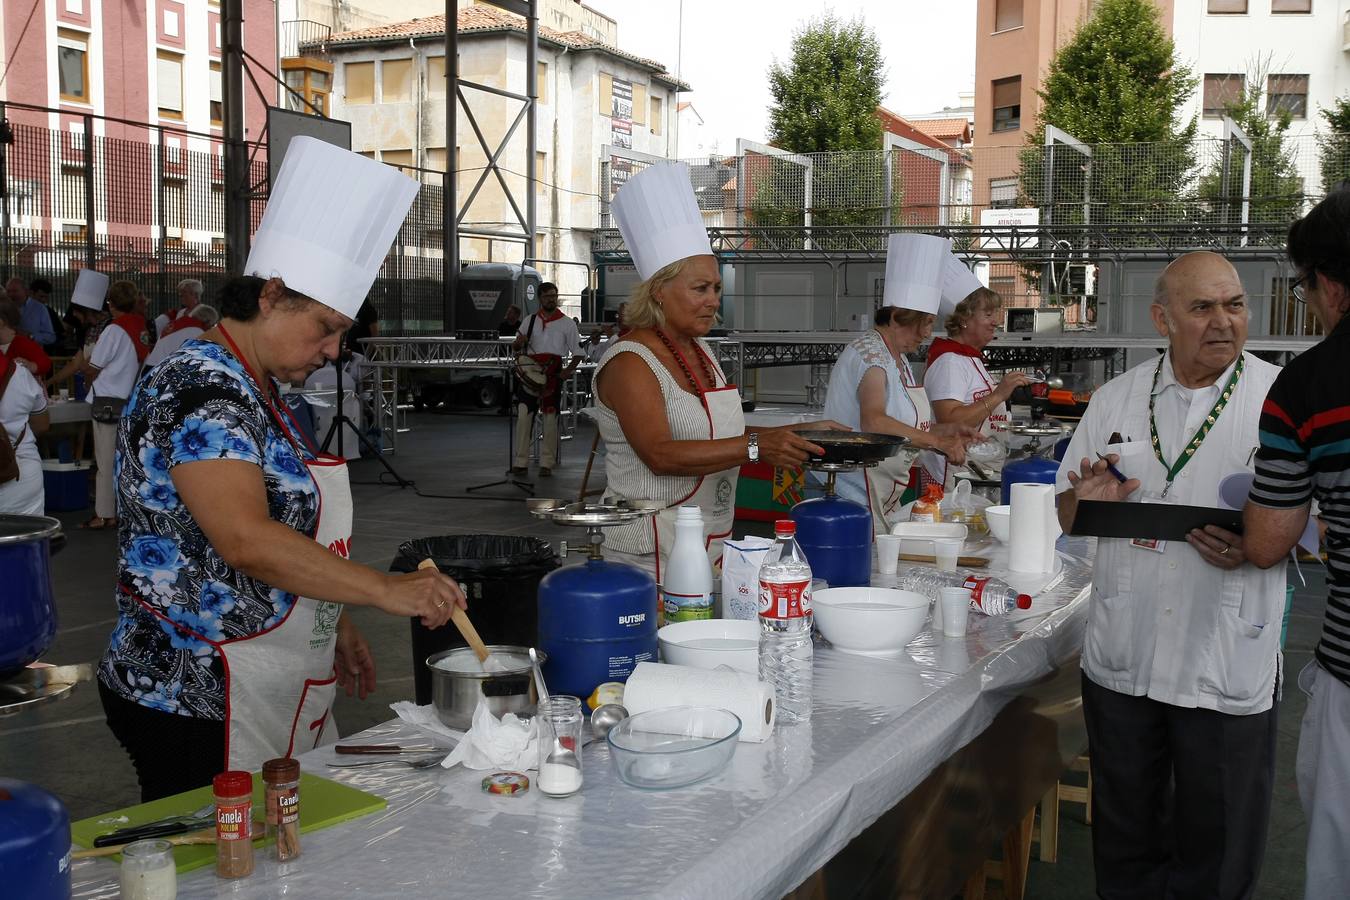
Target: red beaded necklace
[684,366]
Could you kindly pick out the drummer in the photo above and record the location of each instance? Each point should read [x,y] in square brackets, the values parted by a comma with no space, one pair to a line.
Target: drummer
[957,382]
[873,389]
[673,426]
[233,584]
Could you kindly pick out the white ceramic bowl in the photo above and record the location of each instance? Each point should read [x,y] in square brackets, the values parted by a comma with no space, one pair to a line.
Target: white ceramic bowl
[999,519]
[710,643]
[869,620]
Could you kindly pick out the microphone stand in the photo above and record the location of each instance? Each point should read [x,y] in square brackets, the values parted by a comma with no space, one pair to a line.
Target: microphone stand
[340,418]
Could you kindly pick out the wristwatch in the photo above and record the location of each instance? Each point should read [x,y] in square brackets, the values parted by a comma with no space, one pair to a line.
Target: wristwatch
[752,446]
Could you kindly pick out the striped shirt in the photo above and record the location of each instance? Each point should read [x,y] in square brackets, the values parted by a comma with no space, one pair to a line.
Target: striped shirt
[1305,454]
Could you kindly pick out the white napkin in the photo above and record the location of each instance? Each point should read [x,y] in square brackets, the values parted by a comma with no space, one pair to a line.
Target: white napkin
[492,743]
[425,720]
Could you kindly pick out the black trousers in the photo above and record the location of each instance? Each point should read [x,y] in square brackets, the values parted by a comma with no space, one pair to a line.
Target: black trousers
[171,753]
[1180,797]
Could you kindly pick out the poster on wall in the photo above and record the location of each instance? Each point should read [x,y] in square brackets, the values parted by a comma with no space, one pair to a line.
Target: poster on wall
[620,170]
[621,114]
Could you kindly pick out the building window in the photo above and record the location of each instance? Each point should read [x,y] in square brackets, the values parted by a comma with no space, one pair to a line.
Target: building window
[170,23]
[1007,104]
[1287,94]
[169,79]
[72,64]
[656,116]
[1007,14]
[541,171]
[639,104]
[401,158]
[311,81]
[1002,193]
[606,94]
[396,80]
[435,159]
[540,246]
[359,81]
[1284,7]
[175,208]
[217,95]
[541,82]
[1227,7]
[436,76]
[72,200]
[1221,93]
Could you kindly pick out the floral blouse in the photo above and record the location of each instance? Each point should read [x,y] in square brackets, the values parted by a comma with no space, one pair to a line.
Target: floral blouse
[175,595]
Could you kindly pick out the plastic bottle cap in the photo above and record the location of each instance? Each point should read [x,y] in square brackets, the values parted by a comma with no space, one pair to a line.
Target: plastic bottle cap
[281,770]
[232,784]
[689,514]
[1024,601]
[784,528]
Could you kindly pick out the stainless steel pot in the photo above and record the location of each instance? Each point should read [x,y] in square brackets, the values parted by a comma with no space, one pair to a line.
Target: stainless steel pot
[455,694]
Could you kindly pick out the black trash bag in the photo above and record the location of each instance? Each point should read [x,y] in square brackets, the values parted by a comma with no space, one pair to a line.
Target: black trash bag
[500,575]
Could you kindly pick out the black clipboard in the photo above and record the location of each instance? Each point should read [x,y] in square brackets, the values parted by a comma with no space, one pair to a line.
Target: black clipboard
[1149,521]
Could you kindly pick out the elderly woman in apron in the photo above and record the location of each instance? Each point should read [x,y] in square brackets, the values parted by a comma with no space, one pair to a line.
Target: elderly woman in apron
[233,577]
[673,426]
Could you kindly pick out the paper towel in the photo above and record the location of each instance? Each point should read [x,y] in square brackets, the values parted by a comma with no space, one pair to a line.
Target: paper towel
[661,686]
[1033,528]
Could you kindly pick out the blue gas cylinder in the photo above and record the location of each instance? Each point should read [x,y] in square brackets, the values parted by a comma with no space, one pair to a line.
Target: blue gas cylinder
[34,843]
[1031,469]
[836,536]
[597,621]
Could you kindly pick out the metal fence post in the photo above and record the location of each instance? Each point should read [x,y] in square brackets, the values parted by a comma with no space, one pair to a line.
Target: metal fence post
[89,214]
[6,139]
[163,231]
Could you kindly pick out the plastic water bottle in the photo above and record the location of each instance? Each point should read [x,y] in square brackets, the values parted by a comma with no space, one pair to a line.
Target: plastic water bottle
[785,650]
[686,589]
[990,596]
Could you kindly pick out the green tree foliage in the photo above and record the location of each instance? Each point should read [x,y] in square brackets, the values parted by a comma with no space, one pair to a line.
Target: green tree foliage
[1334,147]
[825,100]
[1118,81]
[1276,190]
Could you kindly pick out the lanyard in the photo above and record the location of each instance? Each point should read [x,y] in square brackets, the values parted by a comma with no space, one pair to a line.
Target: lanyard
[1199,437]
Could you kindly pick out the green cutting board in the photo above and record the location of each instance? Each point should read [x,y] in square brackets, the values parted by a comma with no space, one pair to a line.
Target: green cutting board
[322,803]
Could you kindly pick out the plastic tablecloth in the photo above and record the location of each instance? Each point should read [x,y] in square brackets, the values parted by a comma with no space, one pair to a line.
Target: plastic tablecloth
[778,813]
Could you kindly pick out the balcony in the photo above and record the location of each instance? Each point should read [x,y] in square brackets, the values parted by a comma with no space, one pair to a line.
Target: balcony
[302,33]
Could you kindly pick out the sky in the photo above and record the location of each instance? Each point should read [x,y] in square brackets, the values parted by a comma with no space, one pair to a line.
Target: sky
[728,46]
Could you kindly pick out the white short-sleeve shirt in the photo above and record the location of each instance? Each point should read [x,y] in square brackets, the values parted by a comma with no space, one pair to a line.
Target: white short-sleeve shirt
[115,357]
[559,337]
[23,397]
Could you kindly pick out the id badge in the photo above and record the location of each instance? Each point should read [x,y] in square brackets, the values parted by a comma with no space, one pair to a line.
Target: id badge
[1157,546]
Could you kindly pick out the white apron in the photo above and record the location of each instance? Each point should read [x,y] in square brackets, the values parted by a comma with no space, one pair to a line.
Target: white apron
[897,481]
[280,683]
[714,494]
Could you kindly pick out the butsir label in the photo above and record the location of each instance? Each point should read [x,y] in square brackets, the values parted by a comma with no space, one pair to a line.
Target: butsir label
[686,607]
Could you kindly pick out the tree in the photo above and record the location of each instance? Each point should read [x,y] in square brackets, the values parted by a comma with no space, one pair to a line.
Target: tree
[1276,191]
[1117,85]
[1335,146]
[824,101]
[826,97]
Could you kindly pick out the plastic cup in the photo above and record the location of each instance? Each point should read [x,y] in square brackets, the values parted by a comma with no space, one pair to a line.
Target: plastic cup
[955,603]
[888,553]
[63,393]
[947,551]
[937,615]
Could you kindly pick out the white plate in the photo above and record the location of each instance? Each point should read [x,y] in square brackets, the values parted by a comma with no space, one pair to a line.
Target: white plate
[1034,583]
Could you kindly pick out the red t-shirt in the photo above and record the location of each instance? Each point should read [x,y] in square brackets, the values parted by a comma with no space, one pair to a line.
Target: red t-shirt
[25,347]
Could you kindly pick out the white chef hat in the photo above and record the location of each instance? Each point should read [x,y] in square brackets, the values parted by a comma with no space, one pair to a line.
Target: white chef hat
[91,289]
[915,266]
[659,219]
[958,283]
[329,222]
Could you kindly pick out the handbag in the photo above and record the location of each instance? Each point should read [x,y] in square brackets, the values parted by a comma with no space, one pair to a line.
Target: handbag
[107,410]
[9,457]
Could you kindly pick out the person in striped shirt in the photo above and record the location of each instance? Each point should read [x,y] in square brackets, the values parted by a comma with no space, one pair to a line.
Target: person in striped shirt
[1305,455]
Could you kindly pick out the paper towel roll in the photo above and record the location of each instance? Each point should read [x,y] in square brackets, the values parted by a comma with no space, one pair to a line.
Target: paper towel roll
[661,686]
[1032,528]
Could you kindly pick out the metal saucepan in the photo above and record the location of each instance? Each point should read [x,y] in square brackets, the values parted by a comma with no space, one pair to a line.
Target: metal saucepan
[456,686]
[845,447]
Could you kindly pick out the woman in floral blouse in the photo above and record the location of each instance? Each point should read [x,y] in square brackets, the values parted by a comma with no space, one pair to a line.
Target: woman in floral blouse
[219,506]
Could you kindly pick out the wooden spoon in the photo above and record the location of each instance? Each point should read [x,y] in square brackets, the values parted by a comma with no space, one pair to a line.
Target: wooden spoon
[207,836]
[461,620]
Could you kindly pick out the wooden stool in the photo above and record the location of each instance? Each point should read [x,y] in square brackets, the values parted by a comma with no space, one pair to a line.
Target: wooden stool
[1011,870]
[1046,833]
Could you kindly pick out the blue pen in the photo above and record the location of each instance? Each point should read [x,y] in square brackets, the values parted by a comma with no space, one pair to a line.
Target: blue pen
[1112,469]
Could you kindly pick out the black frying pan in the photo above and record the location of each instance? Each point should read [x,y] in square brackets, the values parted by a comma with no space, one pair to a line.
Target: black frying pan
[853,446]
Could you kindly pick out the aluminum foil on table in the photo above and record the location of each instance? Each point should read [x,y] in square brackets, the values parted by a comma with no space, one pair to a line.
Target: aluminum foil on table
[779,811]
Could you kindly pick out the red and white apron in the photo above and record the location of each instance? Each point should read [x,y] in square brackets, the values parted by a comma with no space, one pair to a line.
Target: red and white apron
[714,494]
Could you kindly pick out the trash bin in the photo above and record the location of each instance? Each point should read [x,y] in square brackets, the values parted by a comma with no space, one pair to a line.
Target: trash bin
[500,574]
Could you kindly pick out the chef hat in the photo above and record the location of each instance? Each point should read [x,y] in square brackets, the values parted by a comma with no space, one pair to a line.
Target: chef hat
[91,289]
[329,223]
[659,219]
[958,283]
[915,266]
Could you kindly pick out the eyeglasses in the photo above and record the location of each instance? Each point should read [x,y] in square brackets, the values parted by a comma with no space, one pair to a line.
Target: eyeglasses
[1296,287]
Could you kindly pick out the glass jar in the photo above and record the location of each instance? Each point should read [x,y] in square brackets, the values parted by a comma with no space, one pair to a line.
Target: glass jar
[560,720]
[234,824]
[281,798]
[148,871]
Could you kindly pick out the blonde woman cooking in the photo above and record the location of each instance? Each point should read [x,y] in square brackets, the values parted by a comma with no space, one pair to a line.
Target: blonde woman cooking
[673,426]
